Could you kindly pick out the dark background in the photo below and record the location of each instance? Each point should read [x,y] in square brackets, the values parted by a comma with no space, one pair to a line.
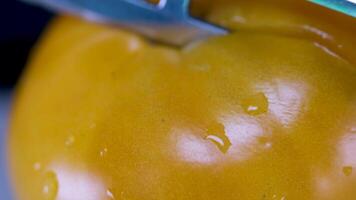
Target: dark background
[20,26]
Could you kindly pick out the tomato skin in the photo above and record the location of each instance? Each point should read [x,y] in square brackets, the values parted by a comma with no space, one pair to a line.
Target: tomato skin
[102,114]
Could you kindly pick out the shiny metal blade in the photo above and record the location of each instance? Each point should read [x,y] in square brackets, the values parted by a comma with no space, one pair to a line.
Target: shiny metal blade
[168,22]
[347,7]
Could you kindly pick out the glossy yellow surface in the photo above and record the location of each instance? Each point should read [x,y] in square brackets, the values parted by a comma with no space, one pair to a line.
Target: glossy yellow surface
[265,113]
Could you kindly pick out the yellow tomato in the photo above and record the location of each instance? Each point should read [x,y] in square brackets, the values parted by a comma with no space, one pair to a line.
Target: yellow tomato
[267,112]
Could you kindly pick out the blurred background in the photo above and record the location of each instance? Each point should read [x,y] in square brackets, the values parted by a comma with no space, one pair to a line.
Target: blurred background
[20,27]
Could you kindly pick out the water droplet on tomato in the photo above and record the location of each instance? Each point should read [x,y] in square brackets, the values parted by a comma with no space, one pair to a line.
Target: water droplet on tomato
[103,152]
[347,170]
[255,104]
[50,186]
[109,194]
[217,135]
